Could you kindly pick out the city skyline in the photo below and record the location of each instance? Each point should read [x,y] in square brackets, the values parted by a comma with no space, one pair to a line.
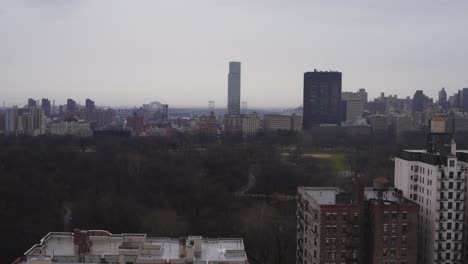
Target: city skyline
[140,53]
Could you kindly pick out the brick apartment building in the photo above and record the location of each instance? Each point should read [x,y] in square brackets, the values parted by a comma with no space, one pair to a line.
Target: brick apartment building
[335,228]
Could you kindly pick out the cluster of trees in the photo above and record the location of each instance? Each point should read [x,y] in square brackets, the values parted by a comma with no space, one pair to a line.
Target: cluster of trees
[159,186]
[175,186]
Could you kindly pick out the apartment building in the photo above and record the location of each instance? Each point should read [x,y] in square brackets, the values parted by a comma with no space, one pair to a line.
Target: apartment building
[71,127]
[328,227]
[435,178]
[274,122]
[379,228]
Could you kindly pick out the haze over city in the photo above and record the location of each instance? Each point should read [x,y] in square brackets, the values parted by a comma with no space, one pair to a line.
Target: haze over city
[177,51]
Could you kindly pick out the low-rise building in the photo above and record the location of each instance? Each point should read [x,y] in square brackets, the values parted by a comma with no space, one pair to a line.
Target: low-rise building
[250,123]
[98,246]
[274,122]
[378,123]
[71,127]
[400,124]
[207,125]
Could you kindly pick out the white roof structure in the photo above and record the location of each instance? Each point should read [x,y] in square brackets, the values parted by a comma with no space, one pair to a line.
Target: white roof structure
[321,195]
[95,246]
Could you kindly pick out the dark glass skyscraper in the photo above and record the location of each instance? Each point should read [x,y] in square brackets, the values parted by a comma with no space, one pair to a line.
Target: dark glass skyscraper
[90,105]
[322,98]
[71,106]
[45,105]
[31,103]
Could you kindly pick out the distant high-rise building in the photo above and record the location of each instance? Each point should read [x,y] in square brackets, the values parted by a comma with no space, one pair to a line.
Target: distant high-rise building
[11,120]
[443,101]
[31,103]
[164,112]
[442,96]
[234,86]
[363,94]
[45,105]
[352,105]
[464,99]
[2,122]
[322,98]
[90,105]
[71,106]
[419,100]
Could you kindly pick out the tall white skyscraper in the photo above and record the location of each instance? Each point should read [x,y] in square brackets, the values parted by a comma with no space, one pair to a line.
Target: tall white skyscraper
[234,83]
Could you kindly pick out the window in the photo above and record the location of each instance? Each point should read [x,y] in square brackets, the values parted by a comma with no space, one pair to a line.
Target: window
[451,175]
[403,240]
[405,215]
[394,216]
[452,163]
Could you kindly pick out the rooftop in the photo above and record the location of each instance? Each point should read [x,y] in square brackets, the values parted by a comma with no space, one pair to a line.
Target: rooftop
[65,248]
[326,195]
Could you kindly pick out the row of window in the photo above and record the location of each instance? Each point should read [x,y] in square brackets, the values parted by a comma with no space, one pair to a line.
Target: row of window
[421,169]
[395,216]
[392,241]
[394,229]
[343,217]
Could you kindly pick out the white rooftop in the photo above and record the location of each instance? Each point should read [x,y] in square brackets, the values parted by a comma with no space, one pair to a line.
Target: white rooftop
[60,245]
[321,195]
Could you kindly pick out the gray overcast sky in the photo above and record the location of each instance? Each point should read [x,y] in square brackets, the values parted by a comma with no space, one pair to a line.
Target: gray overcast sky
[177,51]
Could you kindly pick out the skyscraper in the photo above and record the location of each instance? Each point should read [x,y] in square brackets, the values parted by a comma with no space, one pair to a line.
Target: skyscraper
[322,98]
[234,84]
[419,101]
[442,96]
[31,103]
[464,99]
[45,105]
[71,106]
[90,105]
